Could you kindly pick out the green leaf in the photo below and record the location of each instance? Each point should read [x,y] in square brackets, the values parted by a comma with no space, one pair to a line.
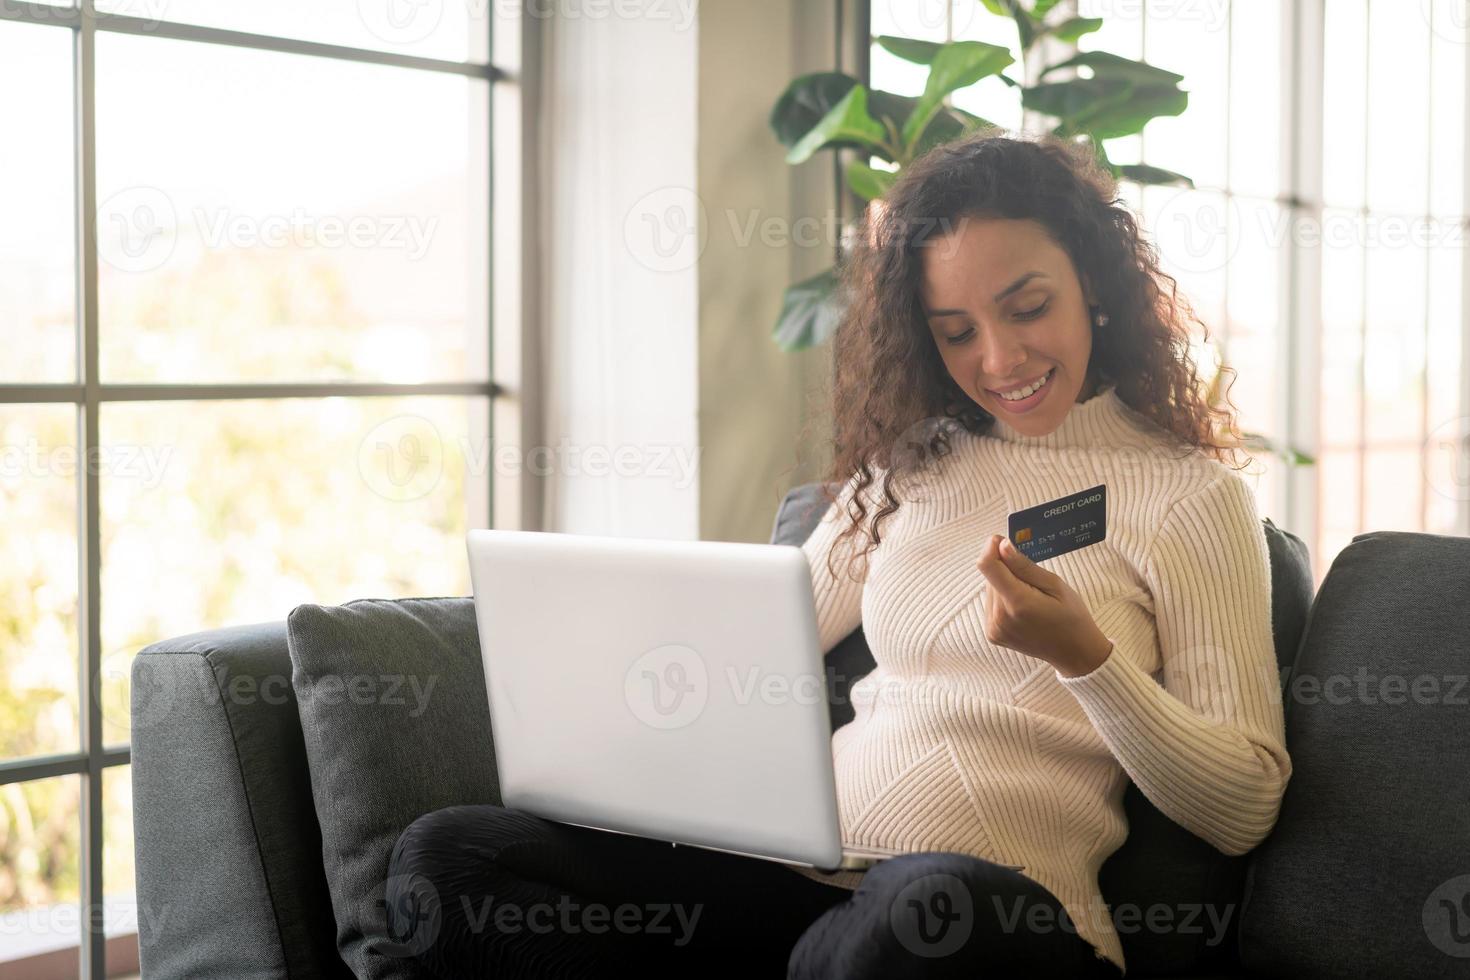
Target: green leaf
[956,65]
[1076,97]
[869,182]
[1292,455]
[909,49]
[847,123]
[1042,8]
[804,103]
[1129,115]
[1071,30]
[1142,173]
[998,7]
[1105,65]
[809,312]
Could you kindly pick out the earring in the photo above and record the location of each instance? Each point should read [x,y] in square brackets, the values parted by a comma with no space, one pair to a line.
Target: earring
[1099,318]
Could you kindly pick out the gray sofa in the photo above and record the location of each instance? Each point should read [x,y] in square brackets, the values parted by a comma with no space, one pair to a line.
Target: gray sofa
[264,812]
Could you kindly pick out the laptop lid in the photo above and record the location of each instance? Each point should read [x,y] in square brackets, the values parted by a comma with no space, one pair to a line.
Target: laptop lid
[670,689]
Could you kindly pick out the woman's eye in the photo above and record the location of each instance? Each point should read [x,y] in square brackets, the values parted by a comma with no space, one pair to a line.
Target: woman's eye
[1031,314]
[961,338]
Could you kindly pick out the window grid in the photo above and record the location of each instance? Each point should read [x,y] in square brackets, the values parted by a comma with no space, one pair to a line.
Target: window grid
[88,394]
[1297,495]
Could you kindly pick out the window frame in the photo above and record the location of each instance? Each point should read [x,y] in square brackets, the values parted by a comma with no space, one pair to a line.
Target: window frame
[87,393]
[1300,286]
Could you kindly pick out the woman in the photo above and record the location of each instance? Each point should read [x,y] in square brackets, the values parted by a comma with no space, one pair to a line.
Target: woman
[1007,341]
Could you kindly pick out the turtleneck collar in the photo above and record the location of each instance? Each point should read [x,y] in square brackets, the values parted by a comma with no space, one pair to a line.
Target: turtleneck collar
[1102,420]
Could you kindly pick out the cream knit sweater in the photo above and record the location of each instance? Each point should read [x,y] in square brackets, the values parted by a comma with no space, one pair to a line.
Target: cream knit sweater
[962,745]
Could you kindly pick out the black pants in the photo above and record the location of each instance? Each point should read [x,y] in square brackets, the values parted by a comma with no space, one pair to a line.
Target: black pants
[488,891]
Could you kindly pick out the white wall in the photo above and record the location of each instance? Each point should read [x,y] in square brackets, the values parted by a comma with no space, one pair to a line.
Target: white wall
[619,277]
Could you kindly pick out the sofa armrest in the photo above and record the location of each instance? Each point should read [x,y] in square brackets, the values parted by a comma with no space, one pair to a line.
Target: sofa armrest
[228,851]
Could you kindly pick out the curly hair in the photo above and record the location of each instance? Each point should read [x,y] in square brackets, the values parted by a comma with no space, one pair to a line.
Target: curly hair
[889,379]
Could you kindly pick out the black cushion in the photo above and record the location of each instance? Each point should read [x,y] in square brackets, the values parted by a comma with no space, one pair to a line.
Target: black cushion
[1161,864]
[395,724]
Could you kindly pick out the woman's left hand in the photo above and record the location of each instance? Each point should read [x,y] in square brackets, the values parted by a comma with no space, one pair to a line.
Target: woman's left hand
[1037,613]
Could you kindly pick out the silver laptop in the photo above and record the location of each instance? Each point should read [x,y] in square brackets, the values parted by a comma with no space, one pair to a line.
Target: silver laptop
[668,689]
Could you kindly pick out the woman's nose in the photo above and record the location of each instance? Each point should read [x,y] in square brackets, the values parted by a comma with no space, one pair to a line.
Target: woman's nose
[1000,355]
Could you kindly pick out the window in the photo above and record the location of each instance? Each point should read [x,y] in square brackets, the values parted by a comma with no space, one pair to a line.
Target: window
[1329,267]
[258,375]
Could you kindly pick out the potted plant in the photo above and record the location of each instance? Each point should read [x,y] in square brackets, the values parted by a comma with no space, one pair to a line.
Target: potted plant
[834,111]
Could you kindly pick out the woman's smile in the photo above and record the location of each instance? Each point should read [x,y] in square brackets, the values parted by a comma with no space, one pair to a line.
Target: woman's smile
[1038,388]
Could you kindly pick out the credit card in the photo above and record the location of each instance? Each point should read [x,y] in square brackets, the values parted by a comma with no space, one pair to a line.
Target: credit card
[1058,526]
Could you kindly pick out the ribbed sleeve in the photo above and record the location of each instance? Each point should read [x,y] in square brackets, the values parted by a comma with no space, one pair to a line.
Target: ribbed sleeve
[1207,747]
[838,598]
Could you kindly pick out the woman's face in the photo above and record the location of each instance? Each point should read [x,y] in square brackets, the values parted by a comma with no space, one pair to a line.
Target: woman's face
[1006,309]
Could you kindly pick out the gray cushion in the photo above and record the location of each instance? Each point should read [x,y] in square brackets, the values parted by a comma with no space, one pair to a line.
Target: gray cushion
[396,725]
[1161,863]
[227,847]
[1366,872]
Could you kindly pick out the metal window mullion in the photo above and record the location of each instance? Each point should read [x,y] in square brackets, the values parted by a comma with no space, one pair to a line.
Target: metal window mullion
[1428,268]
[92,886]
[1363,213]
[50,766]
[76,392]
[1461,431]
[1303,337]
[1227,197]
[71,17]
